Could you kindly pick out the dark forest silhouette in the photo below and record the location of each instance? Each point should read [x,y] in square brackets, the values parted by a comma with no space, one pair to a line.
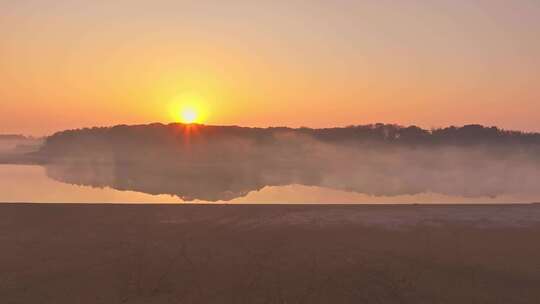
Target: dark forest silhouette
[225,162]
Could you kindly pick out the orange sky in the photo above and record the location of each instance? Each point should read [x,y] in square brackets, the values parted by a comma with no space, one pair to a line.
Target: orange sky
[67,64]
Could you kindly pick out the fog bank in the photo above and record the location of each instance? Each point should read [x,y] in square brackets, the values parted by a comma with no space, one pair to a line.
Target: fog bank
[222,163]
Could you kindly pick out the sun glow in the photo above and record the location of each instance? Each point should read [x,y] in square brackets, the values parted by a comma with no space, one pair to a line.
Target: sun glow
[189,115]
[189,108]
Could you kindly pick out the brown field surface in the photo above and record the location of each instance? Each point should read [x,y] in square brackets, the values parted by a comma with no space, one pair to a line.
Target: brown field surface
[269,254]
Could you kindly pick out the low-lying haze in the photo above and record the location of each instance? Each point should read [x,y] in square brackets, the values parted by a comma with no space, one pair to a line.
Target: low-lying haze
[214,163]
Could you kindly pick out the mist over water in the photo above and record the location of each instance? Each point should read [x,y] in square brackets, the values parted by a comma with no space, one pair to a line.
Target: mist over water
[213,163]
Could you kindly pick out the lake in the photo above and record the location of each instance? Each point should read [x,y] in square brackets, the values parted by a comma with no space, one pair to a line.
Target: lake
[27,183]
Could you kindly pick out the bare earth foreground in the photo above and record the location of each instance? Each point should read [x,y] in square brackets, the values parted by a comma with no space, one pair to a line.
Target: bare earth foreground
[269,254]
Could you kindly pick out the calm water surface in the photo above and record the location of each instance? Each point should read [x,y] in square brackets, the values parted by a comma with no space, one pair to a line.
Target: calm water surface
[31,184]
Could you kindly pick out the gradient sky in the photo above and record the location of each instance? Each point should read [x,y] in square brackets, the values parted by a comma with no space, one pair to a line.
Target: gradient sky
[67,64]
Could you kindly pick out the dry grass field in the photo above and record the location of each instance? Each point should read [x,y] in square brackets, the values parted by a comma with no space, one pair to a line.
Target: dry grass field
[269,254]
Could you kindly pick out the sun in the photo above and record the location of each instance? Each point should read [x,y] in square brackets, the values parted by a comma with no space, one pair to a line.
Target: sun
[189,108]
[189,115]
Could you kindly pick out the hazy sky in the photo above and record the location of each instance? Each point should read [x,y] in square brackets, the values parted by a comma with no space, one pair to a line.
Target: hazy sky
[66,64]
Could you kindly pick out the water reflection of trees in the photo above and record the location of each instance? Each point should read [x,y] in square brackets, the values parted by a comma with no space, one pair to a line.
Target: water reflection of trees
[223,163]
